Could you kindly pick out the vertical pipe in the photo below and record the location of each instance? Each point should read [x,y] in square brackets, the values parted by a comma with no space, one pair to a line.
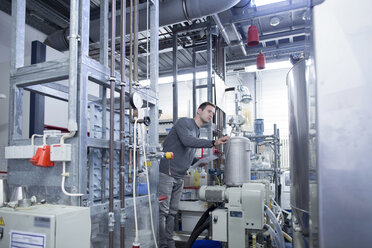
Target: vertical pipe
[175,83]
[154,126]
[276,164]
[73,43]
[224,63]
[209,64]
[122,123]
[112,102]
[103,58]
[130,81]
[255,95]
[136,41]
[194,81]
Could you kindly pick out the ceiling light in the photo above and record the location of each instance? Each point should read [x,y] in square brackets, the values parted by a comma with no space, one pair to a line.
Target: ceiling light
[266,2]
[181,77]
[274,21]
[270,66]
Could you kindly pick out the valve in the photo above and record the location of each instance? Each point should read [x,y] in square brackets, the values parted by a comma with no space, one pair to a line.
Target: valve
[169,155]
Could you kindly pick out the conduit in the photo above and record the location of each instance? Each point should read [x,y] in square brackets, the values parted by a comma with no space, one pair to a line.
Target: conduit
[170,12]
[111,217]
[122,125]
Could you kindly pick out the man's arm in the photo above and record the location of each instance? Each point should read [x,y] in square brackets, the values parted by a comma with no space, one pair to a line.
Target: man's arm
[185,133]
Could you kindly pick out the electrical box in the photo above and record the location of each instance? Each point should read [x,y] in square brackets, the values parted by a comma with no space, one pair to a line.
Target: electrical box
[253,197]
[45,226]
[219,225]
[60,152]
[20,152]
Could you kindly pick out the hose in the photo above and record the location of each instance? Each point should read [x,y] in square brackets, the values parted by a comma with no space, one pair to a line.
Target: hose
[287,237]
[195,234]
[274,236]
[277,227]
[148,187]
[204,217]
[134,181]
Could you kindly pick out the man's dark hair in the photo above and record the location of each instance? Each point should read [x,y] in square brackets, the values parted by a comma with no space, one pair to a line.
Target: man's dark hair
[205,104]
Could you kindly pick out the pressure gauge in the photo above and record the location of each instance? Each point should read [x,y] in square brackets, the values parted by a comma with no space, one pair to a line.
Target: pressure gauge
[136,100]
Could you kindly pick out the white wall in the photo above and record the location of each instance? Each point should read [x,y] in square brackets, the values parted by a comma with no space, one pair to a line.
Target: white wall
[272,97]
[274,100]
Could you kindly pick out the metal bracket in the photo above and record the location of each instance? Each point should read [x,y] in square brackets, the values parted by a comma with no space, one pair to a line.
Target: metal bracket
[123,216]
[111,221]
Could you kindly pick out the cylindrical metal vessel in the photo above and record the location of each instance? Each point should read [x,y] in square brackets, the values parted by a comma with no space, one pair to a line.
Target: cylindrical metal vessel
[238,162]
[299,143]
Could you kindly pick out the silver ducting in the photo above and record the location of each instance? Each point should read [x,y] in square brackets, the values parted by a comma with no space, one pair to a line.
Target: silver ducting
[299,143]
[222,28]
[238,162]
[170,12]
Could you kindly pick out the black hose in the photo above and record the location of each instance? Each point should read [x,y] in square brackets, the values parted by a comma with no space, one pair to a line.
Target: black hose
[195,234]
[204,217]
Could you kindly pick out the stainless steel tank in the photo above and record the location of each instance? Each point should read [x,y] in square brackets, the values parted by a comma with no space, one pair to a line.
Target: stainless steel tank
[237,161]
[299,143]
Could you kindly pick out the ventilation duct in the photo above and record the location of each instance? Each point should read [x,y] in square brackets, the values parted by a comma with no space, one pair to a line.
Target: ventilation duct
[170,12]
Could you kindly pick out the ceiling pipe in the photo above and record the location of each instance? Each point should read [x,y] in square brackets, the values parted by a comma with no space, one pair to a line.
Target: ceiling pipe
[221,28]
[239,38]
[170,12]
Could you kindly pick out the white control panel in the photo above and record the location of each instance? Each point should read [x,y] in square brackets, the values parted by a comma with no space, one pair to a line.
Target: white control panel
[45,226]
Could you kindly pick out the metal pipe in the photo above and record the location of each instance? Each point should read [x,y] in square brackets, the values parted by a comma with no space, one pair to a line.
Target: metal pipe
[276,166]
[122,125]
[194,82]
[170,12]
[217,20]
[136,41]
[175,82]
[103,57]
[73,42]
[112,121]
[209,63]
[239,37]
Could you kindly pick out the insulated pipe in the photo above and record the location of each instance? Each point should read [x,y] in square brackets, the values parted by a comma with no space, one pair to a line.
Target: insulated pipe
[222,29]
[112,121]
[170,12]
[122,124]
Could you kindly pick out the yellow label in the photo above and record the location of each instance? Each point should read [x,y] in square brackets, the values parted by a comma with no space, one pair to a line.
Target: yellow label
[148,163]
[2,221]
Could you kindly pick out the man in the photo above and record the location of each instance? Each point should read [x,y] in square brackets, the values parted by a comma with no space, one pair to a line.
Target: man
[182,140]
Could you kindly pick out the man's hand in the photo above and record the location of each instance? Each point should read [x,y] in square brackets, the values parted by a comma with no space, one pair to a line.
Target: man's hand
[221,140]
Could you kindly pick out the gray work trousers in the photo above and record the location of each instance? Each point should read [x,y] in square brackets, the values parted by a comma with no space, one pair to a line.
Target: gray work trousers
[172,188]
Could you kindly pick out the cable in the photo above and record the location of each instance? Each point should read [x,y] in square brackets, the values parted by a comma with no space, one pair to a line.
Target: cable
[148,187]
[134,179]
[64,175]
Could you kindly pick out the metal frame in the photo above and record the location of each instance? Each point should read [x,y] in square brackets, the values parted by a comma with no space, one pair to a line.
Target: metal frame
[43,78]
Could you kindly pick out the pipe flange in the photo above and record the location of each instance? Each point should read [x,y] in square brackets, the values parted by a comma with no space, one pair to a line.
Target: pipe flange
[184,7]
